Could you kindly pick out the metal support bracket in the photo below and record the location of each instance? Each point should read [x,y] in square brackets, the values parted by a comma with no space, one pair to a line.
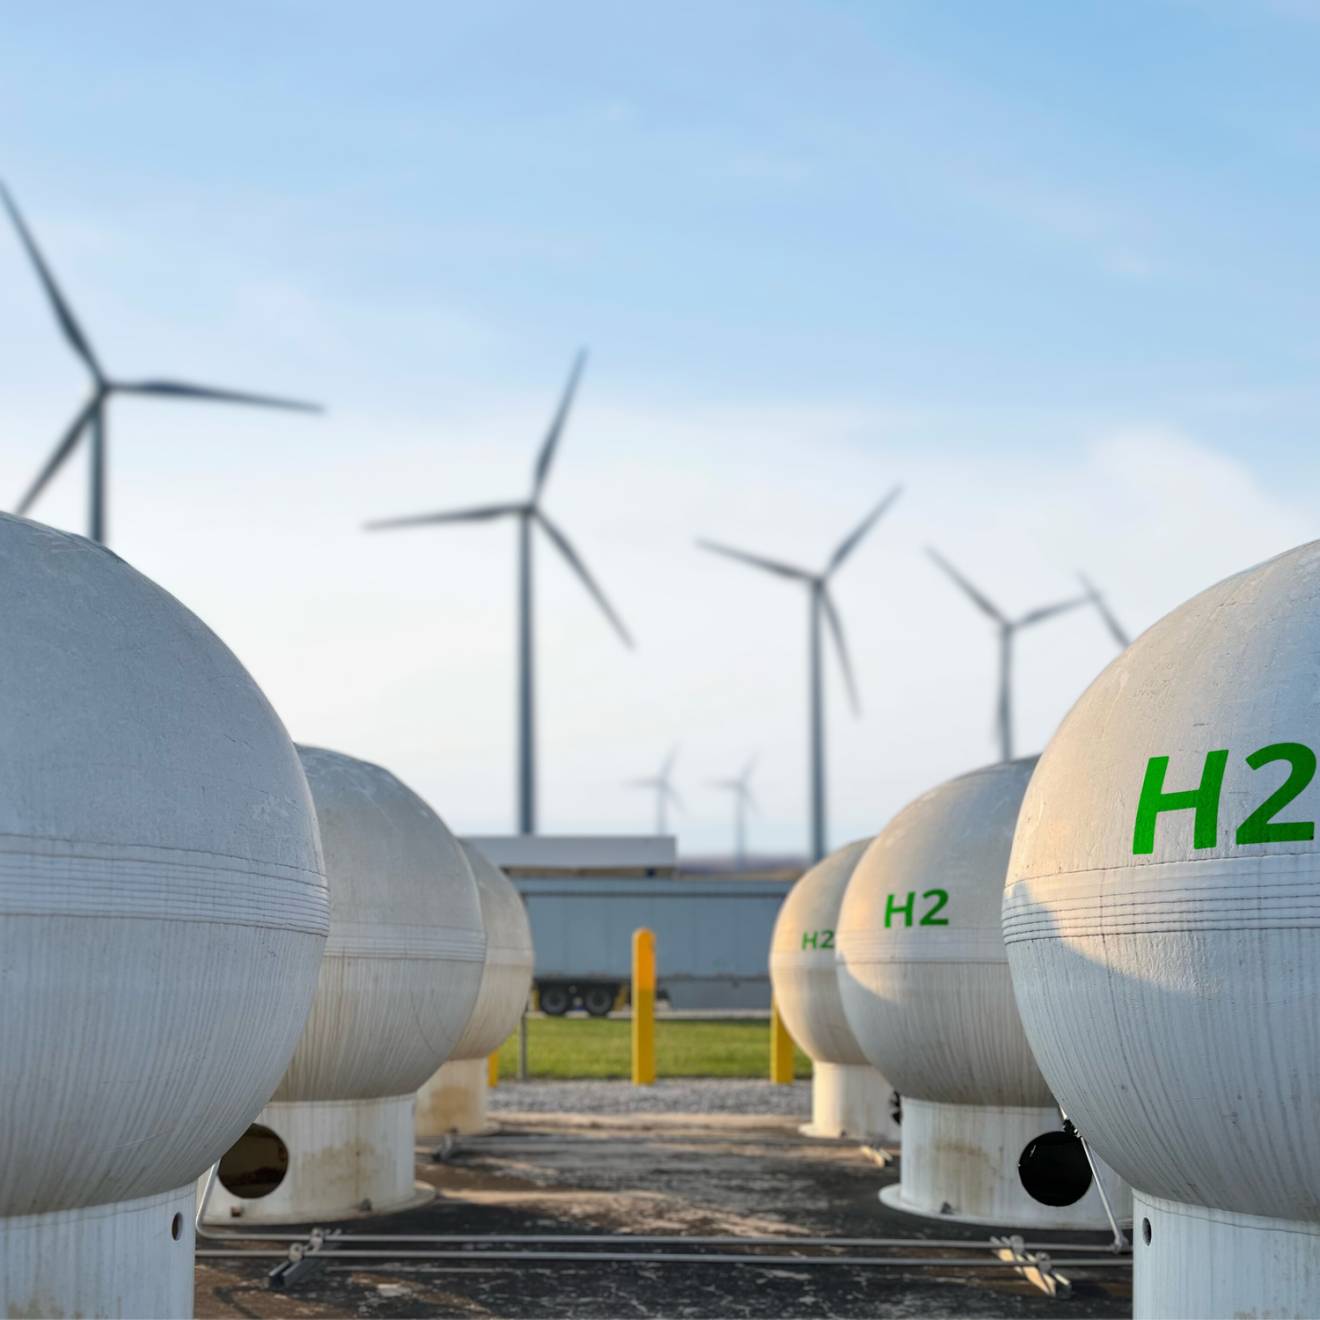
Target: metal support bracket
[1034,1266]
[885,1158]
[304,1258]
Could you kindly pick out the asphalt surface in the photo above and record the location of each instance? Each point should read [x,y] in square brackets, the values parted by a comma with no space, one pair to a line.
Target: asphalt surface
[711,1173]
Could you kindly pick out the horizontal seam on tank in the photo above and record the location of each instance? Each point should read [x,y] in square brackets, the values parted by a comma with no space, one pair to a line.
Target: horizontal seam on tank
[1135,865]
[892,962]
[289,927]
[1206,1214]
[375,954]
[1132,928]
[326,1104]
[1230,889]
[150,847]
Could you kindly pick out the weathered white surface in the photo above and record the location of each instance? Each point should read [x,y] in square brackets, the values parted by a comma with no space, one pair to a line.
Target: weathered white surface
[347,1158]
[932,1004]
[454,1099]
[162,911]
[1171,997]
[965,1157]
[850,1100]
[400,976]
[806,990]
[120,1259]
[506,974]
[1202,1263]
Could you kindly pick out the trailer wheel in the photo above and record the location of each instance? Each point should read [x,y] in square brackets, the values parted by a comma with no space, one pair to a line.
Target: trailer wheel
[554,999]
[598,1000]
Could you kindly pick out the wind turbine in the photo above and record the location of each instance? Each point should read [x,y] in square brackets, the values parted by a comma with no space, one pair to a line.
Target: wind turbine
[741,788]
[821,608]
[529,513]
[1102,607]
[662,785]
[90,418]
[1007,630]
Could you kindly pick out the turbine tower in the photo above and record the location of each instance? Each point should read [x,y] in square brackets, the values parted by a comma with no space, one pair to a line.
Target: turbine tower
[1007,631]
[662,785]
[1102,608]
[741,788]
[91,417]
[820,609]
[529,514]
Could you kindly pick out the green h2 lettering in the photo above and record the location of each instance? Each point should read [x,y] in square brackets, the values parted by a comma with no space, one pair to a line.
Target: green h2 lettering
[892,909]
[1203,800]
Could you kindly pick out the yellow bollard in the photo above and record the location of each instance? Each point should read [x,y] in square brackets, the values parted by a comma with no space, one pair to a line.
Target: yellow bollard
[493,1069]
[781,1048]
[643,1007]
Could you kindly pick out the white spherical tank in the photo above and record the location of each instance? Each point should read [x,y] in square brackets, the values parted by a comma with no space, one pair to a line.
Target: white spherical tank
[1162,917]
[924,981]
[849,1098]
[454,1100]
[400,975]
[162,915]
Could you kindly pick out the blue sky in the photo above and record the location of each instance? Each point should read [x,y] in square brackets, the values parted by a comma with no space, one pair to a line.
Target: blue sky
[1050,264]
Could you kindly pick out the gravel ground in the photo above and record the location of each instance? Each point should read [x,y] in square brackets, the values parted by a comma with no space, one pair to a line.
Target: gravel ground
[669,1096]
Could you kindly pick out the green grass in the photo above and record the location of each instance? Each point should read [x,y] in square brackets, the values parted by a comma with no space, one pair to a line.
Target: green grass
[602,1047]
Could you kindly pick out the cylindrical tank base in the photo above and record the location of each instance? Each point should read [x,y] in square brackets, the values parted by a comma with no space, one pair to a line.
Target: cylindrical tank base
[961,1162]
[454,1100]
[1189,1261]
[850,1100]
[128,1258]
[342,1159]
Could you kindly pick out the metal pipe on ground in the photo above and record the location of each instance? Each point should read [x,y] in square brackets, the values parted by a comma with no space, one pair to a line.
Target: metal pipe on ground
[670,1239]
[977,1262]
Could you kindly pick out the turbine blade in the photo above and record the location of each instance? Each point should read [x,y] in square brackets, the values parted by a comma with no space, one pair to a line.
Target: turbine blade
[836,628]
[63,312]
[851,541]
[176,389]
[478,513]
[669,762]
[756,561]
[977,598]
[551,441]
[748,768]
[1116,629]
[67,443]
[672,794]
[561,543]
[1049,611]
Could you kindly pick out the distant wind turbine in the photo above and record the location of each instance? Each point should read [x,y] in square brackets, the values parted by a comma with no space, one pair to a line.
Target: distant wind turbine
[662,785]
[1007,630]
[1102,608]
[741,788]
[90,418]
[528,513]
[821,607]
